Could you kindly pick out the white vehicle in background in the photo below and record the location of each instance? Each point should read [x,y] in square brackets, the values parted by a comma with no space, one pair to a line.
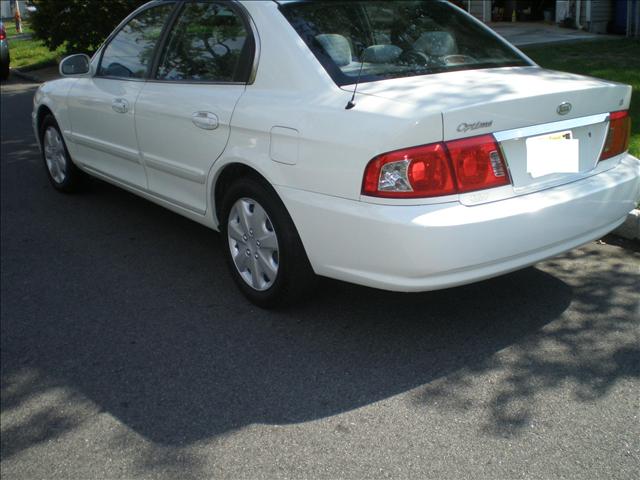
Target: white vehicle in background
[401,145]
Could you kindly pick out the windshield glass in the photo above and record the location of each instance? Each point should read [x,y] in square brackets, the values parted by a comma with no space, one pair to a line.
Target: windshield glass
[395,38]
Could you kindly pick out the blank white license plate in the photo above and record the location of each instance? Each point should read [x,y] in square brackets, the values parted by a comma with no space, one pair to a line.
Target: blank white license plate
[553,153]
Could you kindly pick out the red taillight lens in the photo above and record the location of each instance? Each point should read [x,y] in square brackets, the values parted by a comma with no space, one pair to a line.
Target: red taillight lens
[478,163]
[3,34]
[415,172]
[618,137]
[438,169]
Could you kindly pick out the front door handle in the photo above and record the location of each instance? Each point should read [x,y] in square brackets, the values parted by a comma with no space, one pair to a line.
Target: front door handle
[205,120]
[120,105]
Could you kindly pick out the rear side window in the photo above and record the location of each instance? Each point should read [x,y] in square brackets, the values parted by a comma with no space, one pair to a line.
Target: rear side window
[209,43]
[130,52]
[398,38]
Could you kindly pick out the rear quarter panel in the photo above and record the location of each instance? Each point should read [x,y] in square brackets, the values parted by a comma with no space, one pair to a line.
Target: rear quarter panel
[334,144]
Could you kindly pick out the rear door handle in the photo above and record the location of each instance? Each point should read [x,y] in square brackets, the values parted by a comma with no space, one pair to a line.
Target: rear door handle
[120,105]
[205,120]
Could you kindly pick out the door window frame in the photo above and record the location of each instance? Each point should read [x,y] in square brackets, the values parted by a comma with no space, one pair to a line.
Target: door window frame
[251,57]
[252,35]
[124,23]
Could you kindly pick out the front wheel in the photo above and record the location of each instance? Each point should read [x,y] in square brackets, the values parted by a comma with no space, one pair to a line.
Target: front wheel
[62,172]
[264,252]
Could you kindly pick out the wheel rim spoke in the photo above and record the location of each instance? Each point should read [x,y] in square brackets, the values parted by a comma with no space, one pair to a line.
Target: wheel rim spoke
[258,219]
[235,232]
[266,265]
[55,171]
[243,213]
[241,261]
[255,274]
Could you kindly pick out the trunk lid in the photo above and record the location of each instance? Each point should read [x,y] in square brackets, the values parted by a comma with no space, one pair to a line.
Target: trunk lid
[526,109]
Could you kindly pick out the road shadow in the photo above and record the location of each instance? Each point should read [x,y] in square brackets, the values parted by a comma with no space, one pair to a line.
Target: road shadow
[593,348]
[138,313]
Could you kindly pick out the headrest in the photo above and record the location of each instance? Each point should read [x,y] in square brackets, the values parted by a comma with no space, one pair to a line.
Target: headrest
[337,47]
[436,44]
[381,53]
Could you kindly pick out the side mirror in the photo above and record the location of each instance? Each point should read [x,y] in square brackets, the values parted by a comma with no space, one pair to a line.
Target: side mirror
[73,65]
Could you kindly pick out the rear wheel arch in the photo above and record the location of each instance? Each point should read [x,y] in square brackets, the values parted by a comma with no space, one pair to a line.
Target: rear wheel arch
[225,178]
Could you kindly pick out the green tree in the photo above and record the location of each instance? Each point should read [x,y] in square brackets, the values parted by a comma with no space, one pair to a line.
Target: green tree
[82,24]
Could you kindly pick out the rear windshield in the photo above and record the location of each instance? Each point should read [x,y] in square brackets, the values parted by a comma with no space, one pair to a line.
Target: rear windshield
[395,38]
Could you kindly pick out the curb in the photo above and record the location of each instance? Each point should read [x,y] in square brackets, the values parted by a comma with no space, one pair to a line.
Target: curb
[26,76]
[630,229]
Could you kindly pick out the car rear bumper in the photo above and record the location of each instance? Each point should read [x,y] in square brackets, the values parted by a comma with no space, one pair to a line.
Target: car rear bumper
[428,247]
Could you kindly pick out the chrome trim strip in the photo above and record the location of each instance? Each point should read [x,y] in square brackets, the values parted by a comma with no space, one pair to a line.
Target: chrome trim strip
[116,150]
[172,168]
[190,82]
[602,145]
[120,79]
[534,130]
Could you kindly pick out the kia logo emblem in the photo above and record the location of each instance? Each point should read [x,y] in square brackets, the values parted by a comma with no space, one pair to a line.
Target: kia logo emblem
[564,108]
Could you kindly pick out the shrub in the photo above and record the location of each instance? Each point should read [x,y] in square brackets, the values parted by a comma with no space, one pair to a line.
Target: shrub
[80,24]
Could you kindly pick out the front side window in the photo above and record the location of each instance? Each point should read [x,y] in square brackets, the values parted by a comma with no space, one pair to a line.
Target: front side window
[209,43]
[392,39]
[130,52]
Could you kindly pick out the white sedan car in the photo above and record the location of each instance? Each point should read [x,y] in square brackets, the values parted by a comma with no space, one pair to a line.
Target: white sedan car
[401,145]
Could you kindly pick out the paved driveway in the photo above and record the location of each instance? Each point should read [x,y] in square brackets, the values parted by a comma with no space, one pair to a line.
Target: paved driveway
[530,33]
[128,353]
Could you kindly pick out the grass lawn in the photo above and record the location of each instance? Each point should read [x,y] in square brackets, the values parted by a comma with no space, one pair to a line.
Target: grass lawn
[617,60]
[28,53]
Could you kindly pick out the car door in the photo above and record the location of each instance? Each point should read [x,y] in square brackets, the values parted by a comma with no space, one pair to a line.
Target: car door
[184,111]
[101,108]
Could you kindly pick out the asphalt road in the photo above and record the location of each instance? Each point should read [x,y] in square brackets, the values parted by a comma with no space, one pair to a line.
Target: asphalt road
[128,353]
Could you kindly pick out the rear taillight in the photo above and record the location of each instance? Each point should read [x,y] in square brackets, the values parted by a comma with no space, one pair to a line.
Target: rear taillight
[3,33]
[478,163]
[617,141]
[437,169]
[415,172]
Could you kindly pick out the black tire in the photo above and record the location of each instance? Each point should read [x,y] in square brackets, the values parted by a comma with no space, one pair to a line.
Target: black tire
[294,276]
[74,178]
